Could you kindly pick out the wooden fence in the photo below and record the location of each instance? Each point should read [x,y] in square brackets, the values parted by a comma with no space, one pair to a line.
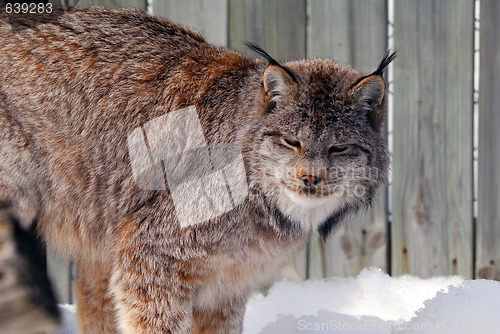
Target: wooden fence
[430,227]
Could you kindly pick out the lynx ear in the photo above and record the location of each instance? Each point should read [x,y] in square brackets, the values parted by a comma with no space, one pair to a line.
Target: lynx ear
[368,95]
[278,82]
[278,79]
[369,91]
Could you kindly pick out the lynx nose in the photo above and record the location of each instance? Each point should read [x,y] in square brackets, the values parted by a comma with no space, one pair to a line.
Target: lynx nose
[310,180]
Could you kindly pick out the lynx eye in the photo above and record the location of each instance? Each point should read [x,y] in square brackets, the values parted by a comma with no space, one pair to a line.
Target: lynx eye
[338,149]
[292,143]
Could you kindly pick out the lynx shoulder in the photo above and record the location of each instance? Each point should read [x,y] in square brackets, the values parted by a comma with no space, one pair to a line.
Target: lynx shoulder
[178,175]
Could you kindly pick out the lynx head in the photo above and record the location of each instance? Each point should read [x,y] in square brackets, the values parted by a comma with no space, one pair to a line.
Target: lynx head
[316,152]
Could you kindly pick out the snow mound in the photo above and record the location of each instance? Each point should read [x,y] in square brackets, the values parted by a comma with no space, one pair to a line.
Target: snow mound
[372,303]
[470,308]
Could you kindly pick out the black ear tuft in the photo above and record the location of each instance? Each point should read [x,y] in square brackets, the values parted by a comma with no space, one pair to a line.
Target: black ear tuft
[386,60]
[257,49]
[368,92]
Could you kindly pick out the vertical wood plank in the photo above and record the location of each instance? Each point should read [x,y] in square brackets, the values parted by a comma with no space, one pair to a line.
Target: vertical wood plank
[433,108]
[350,32]
[279,27]
[59,272]
[141,4]
[488,222]
[208,17]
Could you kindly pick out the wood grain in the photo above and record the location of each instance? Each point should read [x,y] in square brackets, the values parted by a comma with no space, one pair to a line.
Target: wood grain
[141,4]
[433,107]
[488,222]
[278,26]
[208,17]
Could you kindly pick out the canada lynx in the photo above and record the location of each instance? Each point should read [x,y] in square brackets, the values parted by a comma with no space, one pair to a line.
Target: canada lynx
[101,112]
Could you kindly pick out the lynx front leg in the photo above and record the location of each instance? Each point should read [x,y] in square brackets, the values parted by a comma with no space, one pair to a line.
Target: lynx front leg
[96,310]
[226,319]
[150,298]
[152,290]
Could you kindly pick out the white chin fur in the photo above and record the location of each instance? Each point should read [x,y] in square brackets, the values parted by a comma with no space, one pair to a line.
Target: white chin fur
[309,212]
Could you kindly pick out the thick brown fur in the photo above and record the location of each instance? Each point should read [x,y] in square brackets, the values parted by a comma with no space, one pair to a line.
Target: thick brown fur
[73,89]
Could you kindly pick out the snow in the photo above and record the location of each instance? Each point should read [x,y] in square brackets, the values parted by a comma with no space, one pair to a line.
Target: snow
[373,302]
[68,320]
[471,307]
